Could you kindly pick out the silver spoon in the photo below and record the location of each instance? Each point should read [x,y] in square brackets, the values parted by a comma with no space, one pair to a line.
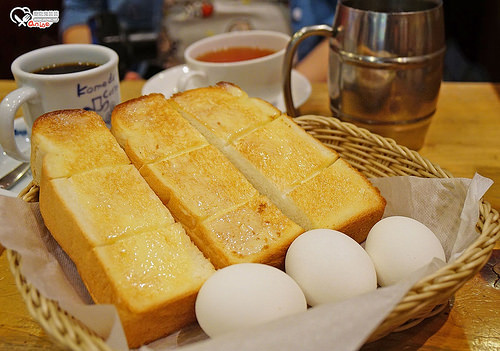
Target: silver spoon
[11,178]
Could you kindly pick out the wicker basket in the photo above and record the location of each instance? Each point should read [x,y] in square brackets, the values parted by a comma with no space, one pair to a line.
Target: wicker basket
[374,156]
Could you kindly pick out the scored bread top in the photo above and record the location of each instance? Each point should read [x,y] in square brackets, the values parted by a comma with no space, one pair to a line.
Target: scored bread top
[198,184]
[201,184]
[159,133]
[284,153]
[255,231]
[345,200]
[224,112]
[122,239]
[154,267]
[99,207]
[282,160]
[116,201]
[75,141]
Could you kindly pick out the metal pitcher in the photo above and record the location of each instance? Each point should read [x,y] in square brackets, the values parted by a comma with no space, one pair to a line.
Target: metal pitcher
[385,65]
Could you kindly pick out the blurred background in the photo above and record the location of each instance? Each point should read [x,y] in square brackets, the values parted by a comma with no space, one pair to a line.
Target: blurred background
[150,35]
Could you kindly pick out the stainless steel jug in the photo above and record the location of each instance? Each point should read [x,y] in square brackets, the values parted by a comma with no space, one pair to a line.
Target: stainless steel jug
[385,65]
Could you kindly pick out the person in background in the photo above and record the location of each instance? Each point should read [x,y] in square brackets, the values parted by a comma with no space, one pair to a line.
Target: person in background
[130,27]
[313,51]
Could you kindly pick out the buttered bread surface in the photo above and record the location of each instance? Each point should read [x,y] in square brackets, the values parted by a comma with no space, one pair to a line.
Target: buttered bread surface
[124,242]
[294,170]
[60,142]
[226,217]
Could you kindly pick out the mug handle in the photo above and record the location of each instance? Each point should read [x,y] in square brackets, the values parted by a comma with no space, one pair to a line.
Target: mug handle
[185,78]
[8,108]
[296,39]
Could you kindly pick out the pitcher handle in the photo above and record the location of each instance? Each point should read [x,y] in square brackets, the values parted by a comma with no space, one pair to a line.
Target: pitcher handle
[297,38]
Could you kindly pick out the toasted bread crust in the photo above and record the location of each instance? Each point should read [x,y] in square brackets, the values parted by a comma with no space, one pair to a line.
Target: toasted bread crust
[123,240]
[160,133]
[286,164]
[56,133]
[202,188]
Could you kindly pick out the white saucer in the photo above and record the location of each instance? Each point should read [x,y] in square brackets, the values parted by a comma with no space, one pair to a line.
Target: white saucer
[7,163]
[165,83]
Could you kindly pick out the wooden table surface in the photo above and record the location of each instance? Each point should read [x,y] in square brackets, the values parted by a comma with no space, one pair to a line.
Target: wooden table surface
[464,138]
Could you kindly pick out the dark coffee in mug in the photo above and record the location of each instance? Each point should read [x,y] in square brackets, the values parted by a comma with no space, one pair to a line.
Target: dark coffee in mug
[64,68]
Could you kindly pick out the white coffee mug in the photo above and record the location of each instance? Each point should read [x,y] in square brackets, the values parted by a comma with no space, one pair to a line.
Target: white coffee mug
[259,77]
[96,89]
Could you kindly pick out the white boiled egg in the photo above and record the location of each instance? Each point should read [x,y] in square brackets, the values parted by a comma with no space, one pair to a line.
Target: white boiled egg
[244,295]
[399,246]
[329,266]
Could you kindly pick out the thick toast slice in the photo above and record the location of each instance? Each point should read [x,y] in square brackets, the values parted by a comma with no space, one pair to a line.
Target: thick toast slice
[70,142]
[281,161]
[201,187]
[122,239]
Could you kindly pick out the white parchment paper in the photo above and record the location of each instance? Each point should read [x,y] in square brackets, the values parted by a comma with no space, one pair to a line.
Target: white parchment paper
[449,207]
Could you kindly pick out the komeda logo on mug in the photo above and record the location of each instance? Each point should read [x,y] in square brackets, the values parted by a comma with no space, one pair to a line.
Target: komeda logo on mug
[23,17]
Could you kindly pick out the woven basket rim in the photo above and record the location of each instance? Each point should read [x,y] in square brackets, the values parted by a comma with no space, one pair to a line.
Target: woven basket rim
[426,298]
